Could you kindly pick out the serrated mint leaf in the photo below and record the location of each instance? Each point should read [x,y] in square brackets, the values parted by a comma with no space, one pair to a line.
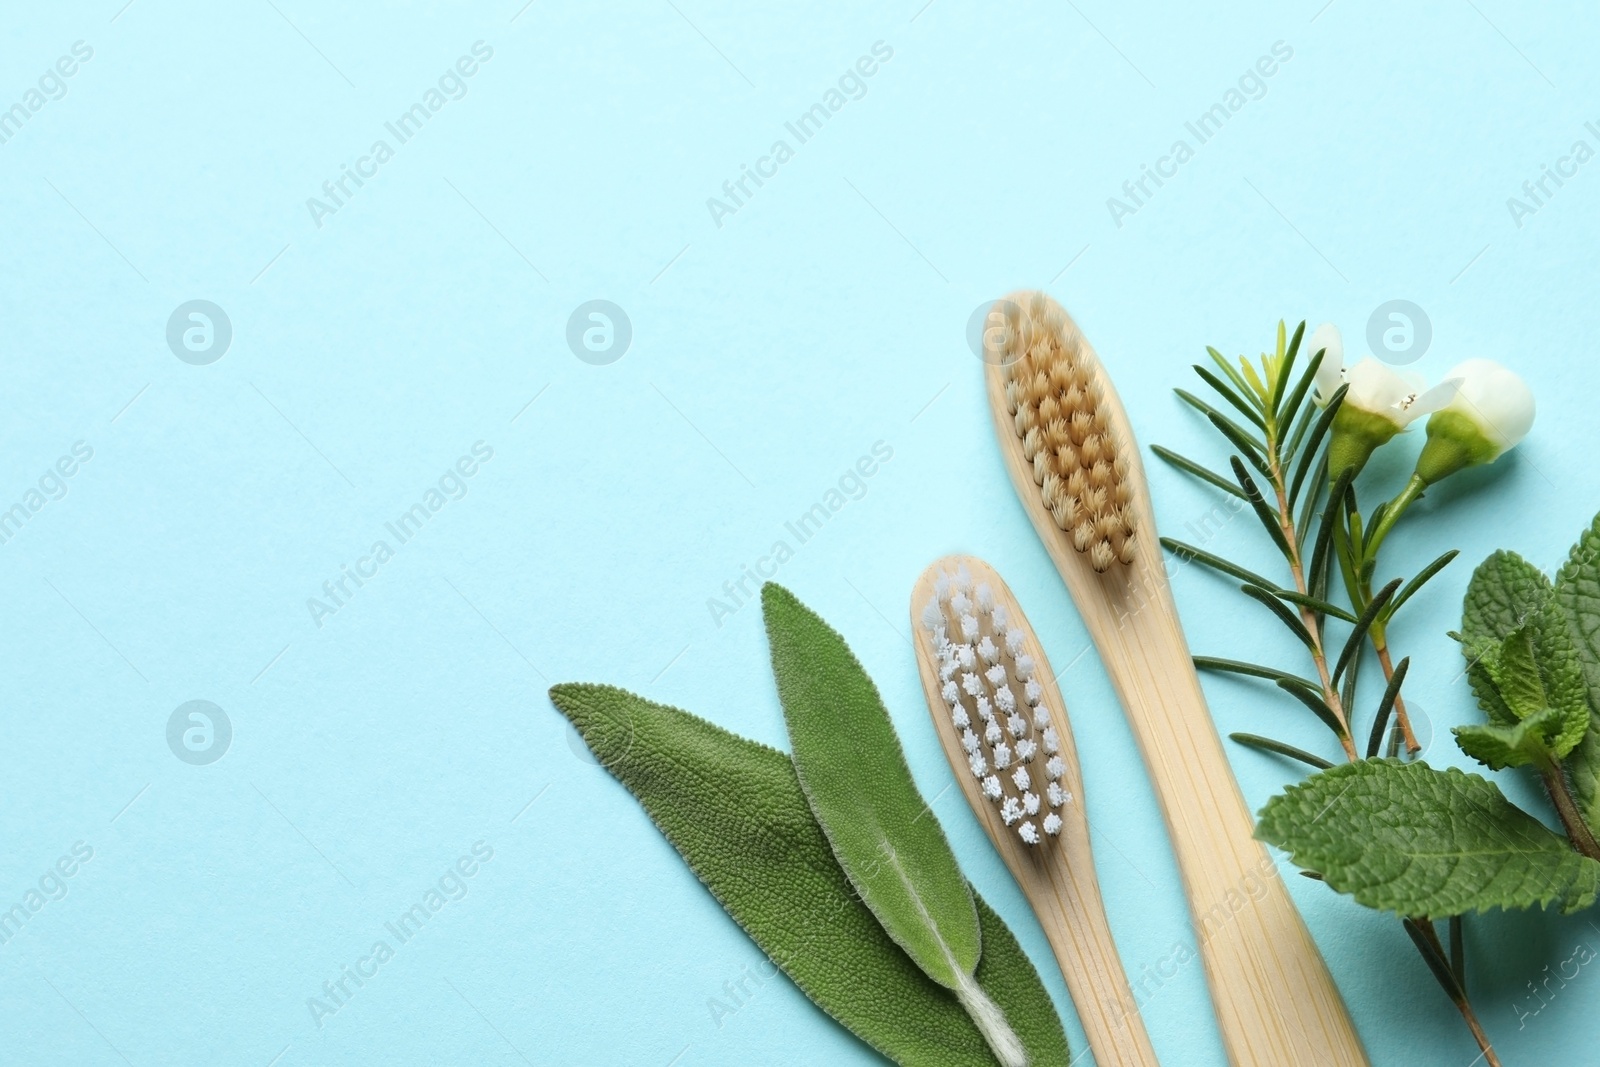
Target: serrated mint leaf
[1505,592]
[1533,740]
[1577,592]
[1515,672]
[1406,838]
[1522,662]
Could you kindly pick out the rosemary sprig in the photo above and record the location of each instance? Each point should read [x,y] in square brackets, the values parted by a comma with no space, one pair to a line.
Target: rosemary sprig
[1284,440]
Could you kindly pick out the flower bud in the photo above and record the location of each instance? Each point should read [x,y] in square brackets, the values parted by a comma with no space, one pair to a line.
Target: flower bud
[1491,411]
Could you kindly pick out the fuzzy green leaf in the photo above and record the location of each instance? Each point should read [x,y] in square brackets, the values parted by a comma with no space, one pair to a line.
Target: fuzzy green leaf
[862,794]
[1515,672]
[1536,739]
[1505,592]
[1522,659]
[735,811]
[1577,593]
[1406,838]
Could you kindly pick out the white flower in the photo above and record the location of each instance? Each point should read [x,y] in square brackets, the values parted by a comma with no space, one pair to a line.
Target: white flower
[1496,399]
[1401,398]
[1330,372]
[1379,403]
[1491,411]
[1374,387]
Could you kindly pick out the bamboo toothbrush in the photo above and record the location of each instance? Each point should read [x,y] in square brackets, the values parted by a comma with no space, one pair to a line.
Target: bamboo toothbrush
[1004,727]
[1072,457]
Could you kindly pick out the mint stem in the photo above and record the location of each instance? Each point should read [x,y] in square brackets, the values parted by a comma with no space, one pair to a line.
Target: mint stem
[1578,832]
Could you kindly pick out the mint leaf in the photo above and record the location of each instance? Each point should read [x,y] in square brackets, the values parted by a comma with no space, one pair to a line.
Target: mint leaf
[1407,838]
[1505,592]
[1577,592]
[1515,672]
[1522,661]
[861,791]
[1533,740]
[735,811]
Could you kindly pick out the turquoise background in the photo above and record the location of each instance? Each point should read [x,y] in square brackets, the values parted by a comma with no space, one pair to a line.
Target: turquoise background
[429,313]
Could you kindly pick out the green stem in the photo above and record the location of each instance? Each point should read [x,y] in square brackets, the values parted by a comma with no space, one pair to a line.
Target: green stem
[1397,507]
[1578,832]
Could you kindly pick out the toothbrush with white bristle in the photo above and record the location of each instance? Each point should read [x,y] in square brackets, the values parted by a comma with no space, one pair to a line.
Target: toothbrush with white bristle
[1004,727]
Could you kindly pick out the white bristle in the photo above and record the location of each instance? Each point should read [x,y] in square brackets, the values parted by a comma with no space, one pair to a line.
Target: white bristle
[985,679]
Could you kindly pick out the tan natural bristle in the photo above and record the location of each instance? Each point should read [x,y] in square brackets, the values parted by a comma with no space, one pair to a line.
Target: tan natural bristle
[1053,394]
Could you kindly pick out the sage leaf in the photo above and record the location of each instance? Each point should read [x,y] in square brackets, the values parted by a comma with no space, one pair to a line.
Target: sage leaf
[1577,592]
[735,811]
[1406,838]
[885,837]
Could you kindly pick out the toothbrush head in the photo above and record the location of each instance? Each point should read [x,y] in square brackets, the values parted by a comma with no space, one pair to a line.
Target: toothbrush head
[996,704]
[1053,393]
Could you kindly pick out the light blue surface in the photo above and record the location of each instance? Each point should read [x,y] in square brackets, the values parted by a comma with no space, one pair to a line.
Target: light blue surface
[428,313]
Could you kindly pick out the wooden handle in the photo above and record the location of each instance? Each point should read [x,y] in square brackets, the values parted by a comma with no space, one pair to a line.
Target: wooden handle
[1057,877]
[1275,1001]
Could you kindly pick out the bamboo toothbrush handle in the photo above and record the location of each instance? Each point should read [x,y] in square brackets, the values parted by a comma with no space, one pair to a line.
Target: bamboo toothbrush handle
[1057,876]
[1275,1002]
[1070,911]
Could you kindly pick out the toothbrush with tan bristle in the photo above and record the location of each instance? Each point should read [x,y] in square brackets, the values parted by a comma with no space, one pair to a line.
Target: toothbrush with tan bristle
[1004,727]
[1071,455]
